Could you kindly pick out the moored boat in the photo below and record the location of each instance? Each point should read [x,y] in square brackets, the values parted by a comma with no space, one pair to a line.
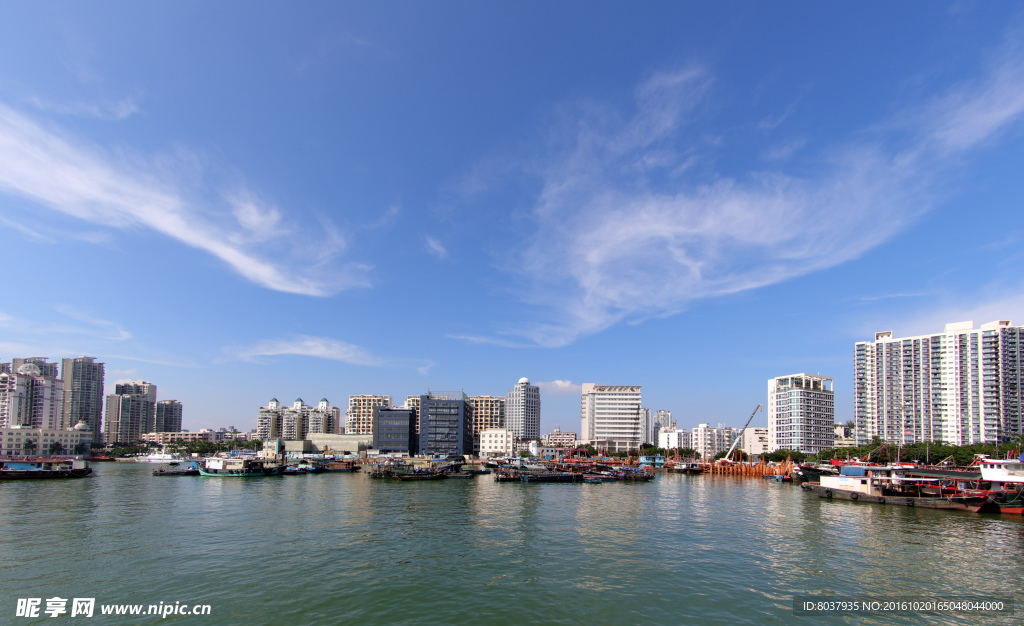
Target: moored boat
[877,484]
[44,468]
[237,468]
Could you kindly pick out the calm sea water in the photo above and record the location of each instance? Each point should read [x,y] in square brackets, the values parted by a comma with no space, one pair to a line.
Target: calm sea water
[333,547]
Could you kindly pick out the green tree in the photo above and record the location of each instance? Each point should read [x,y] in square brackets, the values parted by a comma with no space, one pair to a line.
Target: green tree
[29,446]
[525,454]
[56,448]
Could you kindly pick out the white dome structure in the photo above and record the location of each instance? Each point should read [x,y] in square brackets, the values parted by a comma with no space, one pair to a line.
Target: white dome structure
[524,381]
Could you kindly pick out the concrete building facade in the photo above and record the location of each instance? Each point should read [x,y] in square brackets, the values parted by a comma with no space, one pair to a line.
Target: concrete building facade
[522,410]
[801,413]
[359,417]
[31,394]
[83,394]
[961,386]
[610,416]
[446,423]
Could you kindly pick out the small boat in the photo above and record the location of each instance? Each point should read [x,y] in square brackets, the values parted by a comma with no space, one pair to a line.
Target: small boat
[159,457]
[238,468]
[191,470]
[44,468]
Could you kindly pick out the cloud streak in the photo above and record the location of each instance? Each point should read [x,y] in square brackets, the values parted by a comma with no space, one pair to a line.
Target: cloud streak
[70,177]
[306,345]
[560,387]
[620,237]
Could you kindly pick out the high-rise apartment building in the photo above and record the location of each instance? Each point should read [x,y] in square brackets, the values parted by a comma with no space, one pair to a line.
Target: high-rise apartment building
[126,416]
[359,418]
[168,417]
[610,416]
[145,390]
[801,413]
[961,386]
[31,394]
[83,394]
[296,422]
[670,438]
[522,410]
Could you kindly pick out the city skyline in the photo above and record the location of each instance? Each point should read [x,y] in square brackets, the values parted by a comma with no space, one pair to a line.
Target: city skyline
[692,199]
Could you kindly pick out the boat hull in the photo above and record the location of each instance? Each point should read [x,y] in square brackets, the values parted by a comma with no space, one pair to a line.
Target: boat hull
[952,503]
[38,474]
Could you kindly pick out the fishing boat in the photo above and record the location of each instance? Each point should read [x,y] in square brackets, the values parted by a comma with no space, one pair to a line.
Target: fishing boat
[1003,480]
[550,477]
[44,468]
[340,466]
[408,472]
[237,468]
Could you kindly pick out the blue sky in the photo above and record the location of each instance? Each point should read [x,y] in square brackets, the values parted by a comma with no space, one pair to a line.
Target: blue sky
[244,200]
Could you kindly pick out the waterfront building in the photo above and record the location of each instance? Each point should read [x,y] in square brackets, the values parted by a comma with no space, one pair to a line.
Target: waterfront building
[801,413]
[31,394]
[83,394]
[960,387]
[669,437]
[394,430]
[610,416]
[755,441]
[446,423]
[184,436]
[296,422]
[558,439]
[359,418]
[522,411]
[497,442]
[18,441]
[647,434]
[168,416]
[708,441]
[413,403]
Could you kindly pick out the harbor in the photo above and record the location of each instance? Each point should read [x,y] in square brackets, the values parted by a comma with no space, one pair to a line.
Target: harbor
[725,548]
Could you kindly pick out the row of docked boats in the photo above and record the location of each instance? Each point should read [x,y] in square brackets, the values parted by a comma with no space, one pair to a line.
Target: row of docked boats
[557,473]
[987,486]
[243,467]
[404,471]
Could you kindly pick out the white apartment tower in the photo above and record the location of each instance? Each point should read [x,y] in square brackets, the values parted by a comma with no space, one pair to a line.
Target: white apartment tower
[961,386]
[610,416]
[708,441]
[522,410]
[801,413]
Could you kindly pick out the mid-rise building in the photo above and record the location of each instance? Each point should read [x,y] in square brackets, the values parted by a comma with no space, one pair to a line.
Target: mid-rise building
[296,422]
[27,441]
[708,441]
[83,394]
[679,438]
[801,413]
[961,386]
[31,394]
[168,416]
[610,416]
[559,439]
[446,423]
[359,418]
[844,437]
[497,442]
[413,403]
[522,410]
[394,430]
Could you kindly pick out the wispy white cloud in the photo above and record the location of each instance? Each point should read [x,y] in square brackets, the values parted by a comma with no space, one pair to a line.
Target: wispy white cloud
[562,387]
[79,180]
[305,345]
[111,330]
[93,329]
[435,247]
[614,242]
[387,219]
[490,341]
[126,107]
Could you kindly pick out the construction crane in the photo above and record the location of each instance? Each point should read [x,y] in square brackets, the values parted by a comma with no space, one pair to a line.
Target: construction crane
[734,443]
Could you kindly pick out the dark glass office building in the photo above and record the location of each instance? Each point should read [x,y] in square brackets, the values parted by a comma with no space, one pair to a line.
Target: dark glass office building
[394,430]
[446,423]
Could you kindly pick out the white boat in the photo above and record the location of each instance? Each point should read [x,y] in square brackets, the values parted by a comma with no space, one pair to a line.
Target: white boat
[1002,473]
[159,457]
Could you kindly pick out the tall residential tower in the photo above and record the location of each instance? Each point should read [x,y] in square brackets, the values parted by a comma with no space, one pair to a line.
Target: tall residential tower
[522,410]
[801,413]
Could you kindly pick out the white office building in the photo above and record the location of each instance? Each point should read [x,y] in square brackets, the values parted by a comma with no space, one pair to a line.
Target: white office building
[522,410]
[497,442]
[669,438]
[801,413]
[961,386]
[611,416]
[755,441]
